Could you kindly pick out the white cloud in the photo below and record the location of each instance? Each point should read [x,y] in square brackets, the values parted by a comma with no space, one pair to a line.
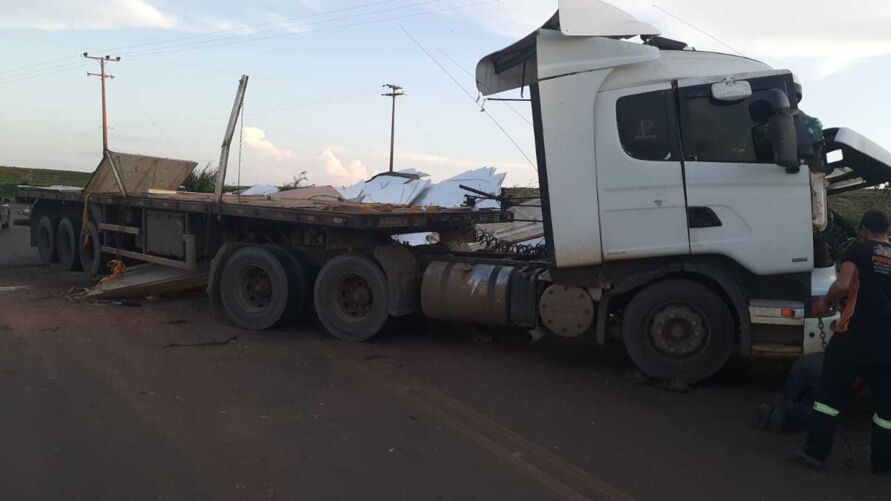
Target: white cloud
[255,138]
[339,173]
[84,15]
[827,36]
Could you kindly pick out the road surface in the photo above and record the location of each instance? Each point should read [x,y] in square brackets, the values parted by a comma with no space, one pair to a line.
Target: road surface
[105,402]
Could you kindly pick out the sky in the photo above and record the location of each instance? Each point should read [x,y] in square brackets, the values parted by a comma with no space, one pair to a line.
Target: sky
[316,69]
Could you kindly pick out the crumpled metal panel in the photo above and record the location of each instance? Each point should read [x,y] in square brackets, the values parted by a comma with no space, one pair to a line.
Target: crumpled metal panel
[140,173]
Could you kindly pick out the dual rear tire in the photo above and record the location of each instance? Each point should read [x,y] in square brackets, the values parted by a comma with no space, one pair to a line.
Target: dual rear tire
[262,287]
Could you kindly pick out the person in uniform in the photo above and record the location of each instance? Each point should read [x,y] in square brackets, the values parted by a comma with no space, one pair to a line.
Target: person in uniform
[861,345]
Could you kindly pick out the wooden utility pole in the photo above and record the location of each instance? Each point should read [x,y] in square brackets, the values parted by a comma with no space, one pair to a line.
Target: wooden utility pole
[102,76]
[395,91]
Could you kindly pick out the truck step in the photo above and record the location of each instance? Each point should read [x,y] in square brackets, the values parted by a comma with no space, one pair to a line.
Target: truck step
[776,349]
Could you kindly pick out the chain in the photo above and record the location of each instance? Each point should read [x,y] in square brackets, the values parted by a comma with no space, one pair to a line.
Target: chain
[240,151]
[822,333]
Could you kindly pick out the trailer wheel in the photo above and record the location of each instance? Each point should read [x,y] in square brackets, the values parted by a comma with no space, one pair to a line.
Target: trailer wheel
[91,257]
[254,288]
[299,282]
[46,240]
[678,329]
[351,298]
[67,245]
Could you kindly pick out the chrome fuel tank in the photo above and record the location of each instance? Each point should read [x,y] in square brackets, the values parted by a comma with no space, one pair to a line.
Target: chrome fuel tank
[473,294]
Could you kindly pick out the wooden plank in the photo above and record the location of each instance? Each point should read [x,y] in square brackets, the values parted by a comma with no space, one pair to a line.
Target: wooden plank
[130,230]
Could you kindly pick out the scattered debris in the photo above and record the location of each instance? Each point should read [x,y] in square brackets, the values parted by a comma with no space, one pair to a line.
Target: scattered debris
[259,190]
[148,280]
[128,303]
[13,288]
[231,340]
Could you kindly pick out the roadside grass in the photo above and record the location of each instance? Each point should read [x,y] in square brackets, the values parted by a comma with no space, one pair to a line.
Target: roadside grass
[10,177]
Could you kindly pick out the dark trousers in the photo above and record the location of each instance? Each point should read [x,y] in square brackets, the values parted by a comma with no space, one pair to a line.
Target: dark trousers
[845,361]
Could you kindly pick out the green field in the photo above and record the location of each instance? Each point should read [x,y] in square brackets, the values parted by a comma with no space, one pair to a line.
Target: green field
[10,177]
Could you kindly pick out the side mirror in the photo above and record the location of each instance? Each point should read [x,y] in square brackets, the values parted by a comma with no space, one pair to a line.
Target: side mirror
[784,137]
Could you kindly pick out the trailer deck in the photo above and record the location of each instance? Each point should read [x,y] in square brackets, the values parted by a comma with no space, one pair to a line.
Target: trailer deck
[325,212]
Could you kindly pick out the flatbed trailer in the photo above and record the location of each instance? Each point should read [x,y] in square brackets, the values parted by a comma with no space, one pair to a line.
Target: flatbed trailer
[263,257]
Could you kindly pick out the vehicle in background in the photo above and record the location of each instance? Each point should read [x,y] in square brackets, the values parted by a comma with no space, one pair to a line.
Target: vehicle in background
[5,213]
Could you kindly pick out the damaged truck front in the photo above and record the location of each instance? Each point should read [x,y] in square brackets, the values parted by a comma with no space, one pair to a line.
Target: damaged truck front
[683,192]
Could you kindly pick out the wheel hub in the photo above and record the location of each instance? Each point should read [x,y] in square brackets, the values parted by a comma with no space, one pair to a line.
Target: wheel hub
[355,298]
[678,331]
[256,288]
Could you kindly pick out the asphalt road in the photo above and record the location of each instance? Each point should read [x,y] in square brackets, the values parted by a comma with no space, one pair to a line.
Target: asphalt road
[104,402]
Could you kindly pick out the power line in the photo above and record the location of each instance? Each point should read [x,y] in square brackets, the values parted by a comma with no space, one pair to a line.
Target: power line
[225,40]
[699,30]
[518,113]
[469,95]
[241,28]
[43,72]
[47,71]
[169,40]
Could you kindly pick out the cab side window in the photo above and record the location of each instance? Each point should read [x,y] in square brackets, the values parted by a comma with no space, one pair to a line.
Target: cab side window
[645,126]
[728,132]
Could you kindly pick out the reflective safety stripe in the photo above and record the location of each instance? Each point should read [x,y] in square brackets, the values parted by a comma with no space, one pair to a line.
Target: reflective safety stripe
[881,423]
[825,409]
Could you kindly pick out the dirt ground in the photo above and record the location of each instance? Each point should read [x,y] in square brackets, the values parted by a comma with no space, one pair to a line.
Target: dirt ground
[105,402]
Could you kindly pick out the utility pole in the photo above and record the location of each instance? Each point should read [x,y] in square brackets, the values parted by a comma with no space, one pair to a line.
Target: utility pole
[395,91]
[102,76]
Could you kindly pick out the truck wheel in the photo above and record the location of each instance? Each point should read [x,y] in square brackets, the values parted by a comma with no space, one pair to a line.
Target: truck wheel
[351,298]
[678,329]
[254,288]
[91,257]
[67,245]
[300,288]
[46,240]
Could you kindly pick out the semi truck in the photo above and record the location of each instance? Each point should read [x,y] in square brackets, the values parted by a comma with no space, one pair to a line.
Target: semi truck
[684,197]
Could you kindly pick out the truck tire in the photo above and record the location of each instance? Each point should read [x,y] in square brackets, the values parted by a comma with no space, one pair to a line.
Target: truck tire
[254,288]
[91,256]
[351,298]
[300,290]
[67,246]
[46,240]
[678,329]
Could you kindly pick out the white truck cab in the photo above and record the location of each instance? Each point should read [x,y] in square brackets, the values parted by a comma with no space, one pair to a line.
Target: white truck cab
[668,174]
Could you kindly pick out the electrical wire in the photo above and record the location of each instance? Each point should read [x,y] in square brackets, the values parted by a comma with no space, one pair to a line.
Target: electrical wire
[518,113]
[470,96]
[238,38]
[700,30]
[44,72]
[206,44]
[249,27]
[169,40]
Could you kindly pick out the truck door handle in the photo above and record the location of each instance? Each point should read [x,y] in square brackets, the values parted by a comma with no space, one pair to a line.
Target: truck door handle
[702,217]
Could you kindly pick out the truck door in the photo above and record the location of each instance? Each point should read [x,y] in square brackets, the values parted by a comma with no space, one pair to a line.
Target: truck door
[740,203]
[640,183]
